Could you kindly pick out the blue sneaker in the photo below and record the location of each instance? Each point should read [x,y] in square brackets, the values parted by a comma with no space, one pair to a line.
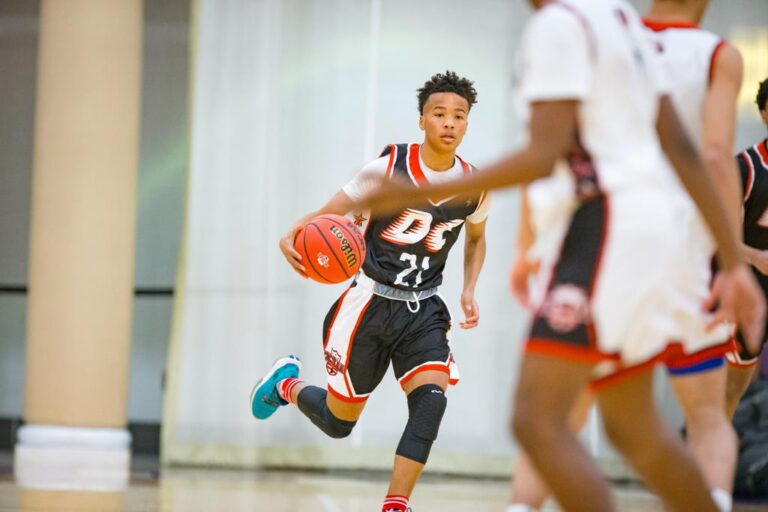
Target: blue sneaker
[264,397]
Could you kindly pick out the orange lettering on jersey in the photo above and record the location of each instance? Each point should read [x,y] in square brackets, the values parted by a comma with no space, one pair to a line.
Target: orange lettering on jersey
[409,227]
[435,239]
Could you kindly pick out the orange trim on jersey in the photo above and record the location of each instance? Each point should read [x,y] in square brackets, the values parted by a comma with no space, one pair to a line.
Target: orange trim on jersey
[715,52]
[751,177]
[564,350]
[762,150]
[438,367]
[348,399]
[391,162]
[658,26]
[483,197]
[623,375]
[675,359]
[464,165]
[333,320]
[468,170]
[415,166]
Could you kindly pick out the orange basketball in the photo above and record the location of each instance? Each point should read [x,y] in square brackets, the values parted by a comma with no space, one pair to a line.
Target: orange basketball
[331,247]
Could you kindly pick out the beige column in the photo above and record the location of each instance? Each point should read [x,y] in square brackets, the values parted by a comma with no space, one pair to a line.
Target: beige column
[82,240]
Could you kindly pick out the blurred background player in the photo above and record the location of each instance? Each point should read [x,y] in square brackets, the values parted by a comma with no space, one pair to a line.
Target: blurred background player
[753,166]
[594,88]
[704,75]
[392,311]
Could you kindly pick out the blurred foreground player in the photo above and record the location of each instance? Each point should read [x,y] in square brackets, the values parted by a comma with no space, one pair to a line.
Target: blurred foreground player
[605,206]
[392,312]
[704,75]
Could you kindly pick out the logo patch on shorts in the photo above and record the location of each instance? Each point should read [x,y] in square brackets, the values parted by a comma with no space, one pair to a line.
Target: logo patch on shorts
[333,364]
[566,308]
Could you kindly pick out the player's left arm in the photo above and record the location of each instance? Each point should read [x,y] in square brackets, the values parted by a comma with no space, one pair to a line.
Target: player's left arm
[719,129]
[474,256]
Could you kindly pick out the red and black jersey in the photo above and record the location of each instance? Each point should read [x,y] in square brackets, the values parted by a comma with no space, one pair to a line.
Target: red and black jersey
[753,166]
[408,250]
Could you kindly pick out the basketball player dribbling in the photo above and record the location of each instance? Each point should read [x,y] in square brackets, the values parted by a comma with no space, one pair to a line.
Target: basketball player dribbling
[392,312]
[604,207]
[704,75]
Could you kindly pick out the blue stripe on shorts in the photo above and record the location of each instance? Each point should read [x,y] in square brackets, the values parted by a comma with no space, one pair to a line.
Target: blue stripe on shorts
[709,364]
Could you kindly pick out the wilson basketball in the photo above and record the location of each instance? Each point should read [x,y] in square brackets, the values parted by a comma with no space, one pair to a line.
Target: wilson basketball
[331,247]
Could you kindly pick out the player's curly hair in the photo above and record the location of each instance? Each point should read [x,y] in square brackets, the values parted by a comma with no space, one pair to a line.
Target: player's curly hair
[762,95]
[447,82]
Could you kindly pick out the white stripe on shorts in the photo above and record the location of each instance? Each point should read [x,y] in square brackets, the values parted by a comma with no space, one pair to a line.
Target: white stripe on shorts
[341,337]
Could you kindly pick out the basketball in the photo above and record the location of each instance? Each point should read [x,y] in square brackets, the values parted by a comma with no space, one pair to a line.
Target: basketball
[331,247]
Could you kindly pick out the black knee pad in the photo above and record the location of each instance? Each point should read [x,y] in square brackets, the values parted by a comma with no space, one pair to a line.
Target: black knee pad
[426,406]
[311,402]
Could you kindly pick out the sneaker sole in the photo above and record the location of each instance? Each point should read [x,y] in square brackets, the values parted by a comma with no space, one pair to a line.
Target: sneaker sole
[275,366]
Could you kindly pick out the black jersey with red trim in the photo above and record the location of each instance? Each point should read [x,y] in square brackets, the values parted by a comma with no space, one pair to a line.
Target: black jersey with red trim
[753,166]
[408,250]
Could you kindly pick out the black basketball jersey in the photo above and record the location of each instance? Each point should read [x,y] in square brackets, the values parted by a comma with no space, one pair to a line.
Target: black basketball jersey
[409,250]
[753,165]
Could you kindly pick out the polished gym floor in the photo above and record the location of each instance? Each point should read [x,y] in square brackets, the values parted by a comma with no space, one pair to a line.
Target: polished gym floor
[208,490]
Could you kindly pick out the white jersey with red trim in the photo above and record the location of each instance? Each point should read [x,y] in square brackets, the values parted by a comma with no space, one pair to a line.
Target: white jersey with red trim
[640,297]
[597,53]
[687,54]
[408,250]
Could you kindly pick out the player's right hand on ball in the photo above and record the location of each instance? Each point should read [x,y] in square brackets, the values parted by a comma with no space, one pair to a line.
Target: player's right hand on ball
[290,254]
[741,301]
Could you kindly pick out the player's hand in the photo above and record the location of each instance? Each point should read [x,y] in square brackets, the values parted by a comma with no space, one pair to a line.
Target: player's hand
[740,301]
[521,271]
[290,254]
[471,311]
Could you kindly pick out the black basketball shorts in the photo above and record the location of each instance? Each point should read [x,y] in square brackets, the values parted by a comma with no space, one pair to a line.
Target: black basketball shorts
[363,332]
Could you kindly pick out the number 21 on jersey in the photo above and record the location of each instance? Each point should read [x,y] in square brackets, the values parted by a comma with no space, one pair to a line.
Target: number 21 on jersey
[412,259]
[413,226]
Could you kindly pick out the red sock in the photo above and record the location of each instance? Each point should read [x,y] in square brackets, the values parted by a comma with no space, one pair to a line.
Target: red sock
[393,502]
[285,386]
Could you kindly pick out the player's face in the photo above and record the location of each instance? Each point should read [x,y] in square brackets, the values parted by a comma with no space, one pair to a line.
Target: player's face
[444,120]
